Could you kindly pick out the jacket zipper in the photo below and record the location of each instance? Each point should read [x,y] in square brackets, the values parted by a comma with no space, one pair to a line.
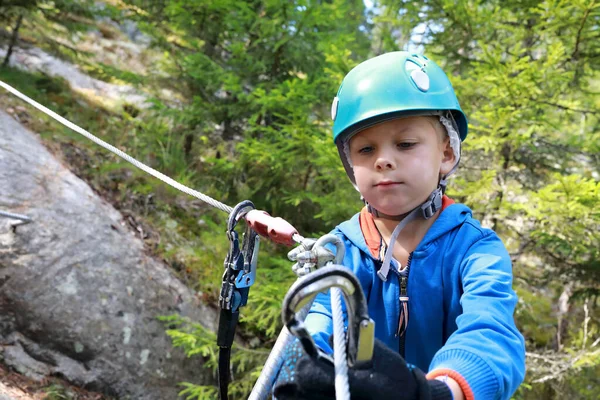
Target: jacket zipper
[403,299]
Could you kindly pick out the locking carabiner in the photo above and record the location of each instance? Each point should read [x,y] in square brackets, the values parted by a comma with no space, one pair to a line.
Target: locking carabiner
[240,263]
[239,275]
[361,328]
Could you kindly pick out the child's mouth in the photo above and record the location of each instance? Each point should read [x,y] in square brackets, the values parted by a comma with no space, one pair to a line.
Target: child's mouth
[387,184]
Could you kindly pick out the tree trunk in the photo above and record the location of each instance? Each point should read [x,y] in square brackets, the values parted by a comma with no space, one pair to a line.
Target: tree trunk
[13,40]
[506,151]
[187,146]
[562,315]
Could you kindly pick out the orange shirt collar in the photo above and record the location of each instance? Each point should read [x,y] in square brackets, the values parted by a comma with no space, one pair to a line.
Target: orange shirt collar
[371,233]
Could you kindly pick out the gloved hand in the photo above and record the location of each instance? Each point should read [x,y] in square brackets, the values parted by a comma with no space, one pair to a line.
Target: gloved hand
[388,377]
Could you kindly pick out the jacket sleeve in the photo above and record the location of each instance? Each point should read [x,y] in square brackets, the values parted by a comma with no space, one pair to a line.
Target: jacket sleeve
[319,321]
[486,353]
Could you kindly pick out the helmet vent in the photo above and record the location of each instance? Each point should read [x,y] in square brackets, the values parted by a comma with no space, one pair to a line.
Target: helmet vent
[334,107]
[411,65]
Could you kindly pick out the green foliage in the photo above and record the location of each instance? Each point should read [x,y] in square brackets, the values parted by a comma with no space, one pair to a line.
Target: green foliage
[263,315]
[197,340]
[109,73]
[56,392]
[262,73]
[526,72]
[248,118]
[536,322]
[46,20]
[56,94]
[10,11]
[565,223]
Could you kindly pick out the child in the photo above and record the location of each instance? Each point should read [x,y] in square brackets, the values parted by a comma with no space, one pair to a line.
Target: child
[438,285]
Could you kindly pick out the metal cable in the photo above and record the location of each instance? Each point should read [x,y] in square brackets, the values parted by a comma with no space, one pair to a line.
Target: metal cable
[340,362]
[171,182]
[7,214]
[126,157]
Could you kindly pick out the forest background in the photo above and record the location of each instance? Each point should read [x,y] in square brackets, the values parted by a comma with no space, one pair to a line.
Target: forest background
[239,108]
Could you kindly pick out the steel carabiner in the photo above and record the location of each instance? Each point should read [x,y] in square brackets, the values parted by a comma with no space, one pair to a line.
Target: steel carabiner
[361,329]
[239,275]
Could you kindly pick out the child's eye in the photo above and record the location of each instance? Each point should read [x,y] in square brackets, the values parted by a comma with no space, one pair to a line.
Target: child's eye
[365,150]
[406,145]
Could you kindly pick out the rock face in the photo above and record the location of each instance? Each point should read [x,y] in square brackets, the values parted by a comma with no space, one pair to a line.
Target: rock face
[78,296]
[34,59]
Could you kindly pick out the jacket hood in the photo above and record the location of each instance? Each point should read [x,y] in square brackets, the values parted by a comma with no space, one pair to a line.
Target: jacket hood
[450,218]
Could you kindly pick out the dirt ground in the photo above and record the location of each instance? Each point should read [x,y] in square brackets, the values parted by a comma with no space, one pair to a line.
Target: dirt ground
[14,386]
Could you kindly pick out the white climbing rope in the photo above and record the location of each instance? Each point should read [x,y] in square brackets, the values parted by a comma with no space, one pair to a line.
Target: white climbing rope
[340,361]
[123,155]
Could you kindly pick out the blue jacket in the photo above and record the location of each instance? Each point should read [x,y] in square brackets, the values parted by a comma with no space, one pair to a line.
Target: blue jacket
[461,303]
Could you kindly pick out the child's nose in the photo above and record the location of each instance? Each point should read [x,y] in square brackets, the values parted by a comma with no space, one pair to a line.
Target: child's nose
[383,163]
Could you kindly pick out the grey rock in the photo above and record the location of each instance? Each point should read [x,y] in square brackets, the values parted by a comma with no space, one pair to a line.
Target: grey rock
[79,298]
[37,60]
[15,356]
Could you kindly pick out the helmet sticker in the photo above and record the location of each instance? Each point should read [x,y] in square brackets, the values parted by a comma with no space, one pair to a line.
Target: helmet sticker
[418,74]
[334,107]
[420,79]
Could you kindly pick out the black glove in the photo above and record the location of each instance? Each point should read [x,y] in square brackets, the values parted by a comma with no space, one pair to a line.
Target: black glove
[388,377]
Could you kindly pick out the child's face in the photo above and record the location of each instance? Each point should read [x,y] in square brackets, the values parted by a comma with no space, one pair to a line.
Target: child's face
[397,163]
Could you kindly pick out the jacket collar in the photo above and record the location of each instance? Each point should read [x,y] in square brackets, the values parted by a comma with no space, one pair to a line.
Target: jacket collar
[363,233]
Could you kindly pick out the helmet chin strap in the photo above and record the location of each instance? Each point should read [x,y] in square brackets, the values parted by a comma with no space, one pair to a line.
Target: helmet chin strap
[426,210]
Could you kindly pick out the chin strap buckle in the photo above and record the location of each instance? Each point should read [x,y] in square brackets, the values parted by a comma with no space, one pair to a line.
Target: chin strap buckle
[433,204]
[428,209]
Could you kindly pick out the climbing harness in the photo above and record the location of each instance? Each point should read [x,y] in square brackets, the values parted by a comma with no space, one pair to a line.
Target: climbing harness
[240,274]
[311,258]
[307,260]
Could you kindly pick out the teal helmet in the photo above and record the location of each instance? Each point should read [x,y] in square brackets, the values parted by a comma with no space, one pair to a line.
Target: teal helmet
[389,86]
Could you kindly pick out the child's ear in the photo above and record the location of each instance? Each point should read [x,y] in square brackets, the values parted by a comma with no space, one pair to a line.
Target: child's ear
[448,158]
